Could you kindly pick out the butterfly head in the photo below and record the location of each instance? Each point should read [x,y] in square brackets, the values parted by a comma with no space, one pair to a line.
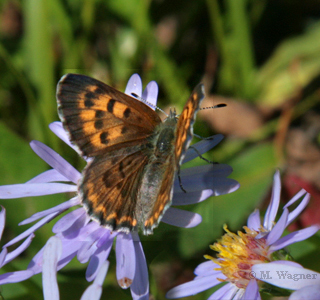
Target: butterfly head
[172,117]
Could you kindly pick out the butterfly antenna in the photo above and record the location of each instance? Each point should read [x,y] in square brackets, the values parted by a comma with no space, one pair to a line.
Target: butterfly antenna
[148,103]
[215,106]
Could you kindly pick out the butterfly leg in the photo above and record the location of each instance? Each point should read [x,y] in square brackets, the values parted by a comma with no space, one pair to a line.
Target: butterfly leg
[180,183]
[199,154]
[202,137]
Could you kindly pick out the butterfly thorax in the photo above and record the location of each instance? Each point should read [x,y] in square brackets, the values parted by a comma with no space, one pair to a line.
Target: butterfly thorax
[160,157]
[164,137]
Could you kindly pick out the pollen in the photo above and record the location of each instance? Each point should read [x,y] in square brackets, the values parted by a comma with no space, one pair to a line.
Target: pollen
[237,253]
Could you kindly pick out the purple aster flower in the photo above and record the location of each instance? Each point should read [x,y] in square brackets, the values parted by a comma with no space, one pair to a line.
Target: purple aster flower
[76,235]
[243,258]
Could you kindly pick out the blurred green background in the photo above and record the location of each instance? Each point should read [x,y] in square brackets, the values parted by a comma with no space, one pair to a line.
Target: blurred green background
[261,58]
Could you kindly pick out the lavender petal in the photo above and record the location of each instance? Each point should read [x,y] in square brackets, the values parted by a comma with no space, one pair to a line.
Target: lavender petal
[287,263]
[295,198]
[218,187]
[205,177]
[70,249]
[13,277]
[86,251]
[254,220]
[298,209]
[193,287]
[306,293]
[69,219]
[97,260]
[150,94]
[206,268]
[32,229]
[215,170]
[181,218]
[225,292]
[59,208]
[3,255]
[56,161]
[294,237]
[106,236]
[10,256]
[278,229]
[181,198]
[51,255]
[94,291]
[286,276]
[95,234]
[126,262]
[134,86]
[34,189]
[57,129]
[48,176]
[252,291]
[203,147]
[2,220]
[90,232]
[140,285]
[274,204]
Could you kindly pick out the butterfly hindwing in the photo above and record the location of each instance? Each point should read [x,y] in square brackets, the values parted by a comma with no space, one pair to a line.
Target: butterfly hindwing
[99,118]
[109,187]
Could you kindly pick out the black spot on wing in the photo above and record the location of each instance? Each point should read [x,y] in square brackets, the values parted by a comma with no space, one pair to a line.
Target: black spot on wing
[99,91]
[100,216]
[127,112]
[100,114]
[90,95]
[98,125]
[88,103]
[124,129]
[110,105]
[106,179]
[121,170]
[104,138]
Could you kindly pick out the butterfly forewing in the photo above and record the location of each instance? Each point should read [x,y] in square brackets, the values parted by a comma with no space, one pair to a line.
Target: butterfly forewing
[100,118]
[184,131]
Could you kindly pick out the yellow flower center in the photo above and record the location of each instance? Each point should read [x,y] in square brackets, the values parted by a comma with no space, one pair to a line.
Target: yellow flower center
[238,253]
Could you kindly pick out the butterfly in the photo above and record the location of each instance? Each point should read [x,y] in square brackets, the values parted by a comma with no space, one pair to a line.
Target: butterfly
[127,184]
